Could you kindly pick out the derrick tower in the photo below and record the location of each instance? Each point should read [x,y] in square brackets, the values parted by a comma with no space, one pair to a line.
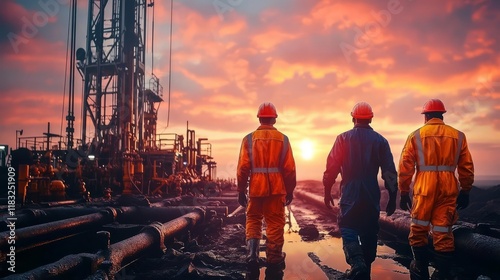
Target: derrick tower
[115,100]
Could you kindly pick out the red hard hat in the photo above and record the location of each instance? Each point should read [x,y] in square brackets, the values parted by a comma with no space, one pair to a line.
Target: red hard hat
[267,110]
[433,105]
[362,110]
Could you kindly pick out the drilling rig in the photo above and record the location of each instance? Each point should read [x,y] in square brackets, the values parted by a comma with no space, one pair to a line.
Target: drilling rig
[63,198]
[114,97]
[120,149]
[120,113]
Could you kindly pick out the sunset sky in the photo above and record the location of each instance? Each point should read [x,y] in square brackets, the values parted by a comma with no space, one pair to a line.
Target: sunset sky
[313,59]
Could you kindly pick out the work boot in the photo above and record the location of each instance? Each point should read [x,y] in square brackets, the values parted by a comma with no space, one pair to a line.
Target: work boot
[354,257]
[419,266]
[445,268]
[274,271]
[252,273]
[253,253]
[369,247]
[369,271]
[274,274]
[279,265]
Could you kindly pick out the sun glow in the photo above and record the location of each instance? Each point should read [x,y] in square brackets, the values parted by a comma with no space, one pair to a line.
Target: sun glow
[307,149]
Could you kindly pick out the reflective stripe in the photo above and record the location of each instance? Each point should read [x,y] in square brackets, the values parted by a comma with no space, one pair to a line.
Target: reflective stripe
[250,146]
[437,168]
[459,147]
[420,222]
[420,149]
[441,229]
[265,170]
[427,223]
[421,162]
[459,150]
[284,151]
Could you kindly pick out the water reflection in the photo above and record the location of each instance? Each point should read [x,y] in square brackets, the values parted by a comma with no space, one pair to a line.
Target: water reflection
[317,259]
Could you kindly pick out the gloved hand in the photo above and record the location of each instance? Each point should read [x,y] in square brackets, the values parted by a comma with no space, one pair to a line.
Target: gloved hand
[391,204]
[405,203]
[329,201]
[288,199]
[462,200]
[328,197]
[242,199]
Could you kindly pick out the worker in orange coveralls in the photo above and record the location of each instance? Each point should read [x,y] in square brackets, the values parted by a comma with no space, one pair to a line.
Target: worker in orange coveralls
[267,167]
[435,150]
[357,155]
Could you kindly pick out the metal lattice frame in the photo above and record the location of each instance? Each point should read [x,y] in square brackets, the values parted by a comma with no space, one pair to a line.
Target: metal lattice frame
[114,74]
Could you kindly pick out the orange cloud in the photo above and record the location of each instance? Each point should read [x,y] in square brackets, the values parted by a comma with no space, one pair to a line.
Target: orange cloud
[289,54]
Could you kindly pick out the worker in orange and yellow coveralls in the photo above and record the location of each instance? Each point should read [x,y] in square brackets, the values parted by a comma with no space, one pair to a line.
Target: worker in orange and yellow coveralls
[434,151]
[267,168]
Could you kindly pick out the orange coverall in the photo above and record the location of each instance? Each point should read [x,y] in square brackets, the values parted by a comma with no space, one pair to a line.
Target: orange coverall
[266,158]
[435,150]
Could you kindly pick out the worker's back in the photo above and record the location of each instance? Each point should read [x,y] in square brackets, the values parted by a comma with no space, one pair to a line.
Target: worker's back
[438,149]
[365,151]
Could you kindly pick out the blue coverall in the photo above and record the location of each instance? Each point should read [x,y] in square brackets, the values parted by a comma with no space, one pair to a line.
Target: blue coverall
[357,155]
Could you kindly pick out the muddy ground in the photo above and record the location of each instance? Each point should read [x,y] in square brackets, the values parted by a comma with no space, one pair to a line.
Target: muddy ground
[218,252]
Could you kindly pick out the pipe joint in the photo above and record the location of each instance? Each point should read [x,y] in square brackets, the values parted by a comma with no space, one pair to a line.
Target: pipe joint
[155,229]
[111,212]
[211,214]
[202,211]
[35,213]
[194,219]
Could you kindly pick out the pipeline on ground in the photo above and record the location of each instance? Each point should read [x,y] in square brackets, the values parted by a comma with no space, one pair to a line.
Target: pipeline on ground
[111,258]
[481,247]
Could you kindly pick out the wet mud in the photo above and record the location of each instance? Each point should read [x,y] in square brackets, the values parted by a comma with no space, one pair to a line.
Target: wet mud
[312,244]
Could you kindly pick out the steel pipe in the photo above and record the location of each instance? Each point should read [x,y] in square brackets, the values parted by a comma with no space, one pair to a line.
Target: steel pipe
[31,236]
[31,217]
[49,231]
[68,267]
[188,200]
[236,211]
[141,215]
[110,260]
[478,246]
[152,238]
[397,225]
[312,198]
[62,203]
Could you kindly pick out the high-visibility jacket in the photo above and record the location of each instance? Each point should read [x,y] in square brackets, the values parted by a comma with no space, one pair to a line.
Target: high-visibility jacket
[435,151]
[266,159]
[358,155]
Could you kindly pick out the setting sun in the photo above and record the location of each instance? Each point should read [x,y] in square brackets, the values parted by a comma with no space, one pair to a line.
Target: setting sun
[307,149]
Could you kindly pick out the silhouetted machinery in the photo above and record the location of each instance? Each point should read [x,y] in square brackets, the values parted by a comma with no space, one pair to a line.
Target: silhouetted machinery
[120,149]
[164,179]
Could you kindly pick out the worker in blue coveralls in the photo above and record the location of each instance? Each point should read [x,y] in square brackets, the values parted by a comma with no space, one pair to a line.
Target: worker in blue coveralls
[357,155]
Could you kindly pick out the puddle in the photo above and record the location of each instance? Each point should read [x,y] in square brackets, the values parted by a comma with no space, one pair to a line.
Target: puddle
[300,255]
